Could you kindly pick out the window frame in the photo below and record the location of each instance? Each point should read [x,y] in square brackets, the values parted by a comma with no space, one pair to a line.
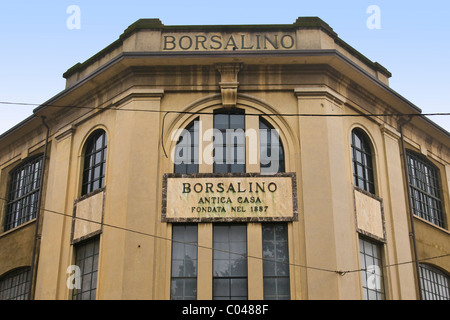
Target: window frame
[434,288]
[420,196]
[90,163]
[24,197]
[19,280]
[195,134]
[366,274]
[269,261]
[183,278]
[191,132]
[281,152]
[365,179]
[77,294]
[229,278]
[226,149]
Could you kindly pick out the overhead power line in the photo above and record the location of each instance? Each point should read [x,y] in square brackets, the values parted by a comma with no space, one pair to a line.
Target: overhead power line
[387,114]
[167,112]
[146,234]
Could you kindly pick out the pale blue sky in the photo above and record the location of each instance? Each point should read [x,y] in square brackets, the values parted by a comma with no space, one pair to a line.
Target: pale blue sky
[37,47]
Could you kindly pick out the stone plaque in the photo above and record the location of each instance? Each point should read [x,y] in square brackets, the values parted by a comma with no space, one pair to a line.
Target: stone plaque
[226,198]
[369,215]
[88,215]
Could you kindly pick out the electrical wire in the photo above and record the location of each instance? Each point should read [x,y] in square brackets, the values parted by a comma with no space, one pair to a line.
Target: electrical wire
[171,240]
[247,114]
[340,272]
[167,112]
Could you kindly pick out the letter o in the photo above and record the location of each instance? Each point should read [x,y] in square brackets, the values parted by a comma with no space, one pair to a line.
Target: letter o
[272,187]
[284,45]
[181,42]
[198,187]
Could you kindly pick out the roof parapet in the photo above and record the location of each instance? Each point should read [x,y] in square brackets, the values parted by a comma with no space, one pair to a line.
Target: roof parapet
[155,24]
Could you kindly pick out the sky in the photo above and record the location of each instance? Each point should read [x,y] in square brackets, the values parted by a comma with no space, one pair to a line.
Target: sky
[37,44]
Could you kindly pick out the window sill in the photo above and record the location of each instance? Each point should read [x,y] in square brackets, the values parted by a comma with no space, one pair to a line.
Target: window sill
[431,224]
[6,233]
[90,194]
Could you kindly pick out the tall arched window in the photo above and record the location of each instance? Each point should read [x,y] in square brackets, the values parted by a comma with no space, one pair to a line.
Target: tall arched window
[233,139]
[94,162]
[362,156]
[186,150]
[271,157]
[229,145]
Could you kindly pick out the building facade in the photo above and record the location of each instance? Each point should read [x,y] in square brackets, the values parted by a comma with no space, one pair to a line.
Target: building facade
[225,162]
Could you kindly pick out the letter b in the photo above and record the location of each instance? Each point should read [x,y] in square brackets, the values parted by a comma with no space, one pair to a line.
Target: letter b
[186,188]
[169,42]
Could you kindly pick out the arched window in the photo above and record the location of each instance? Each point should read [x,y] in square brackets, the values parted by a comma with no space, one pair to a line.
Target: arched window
[362,156]
[435,283]
[15,285]
[24,192]
[94,162]
[229,141]
[271,149]
[186,151]
[230,147]
[425,189]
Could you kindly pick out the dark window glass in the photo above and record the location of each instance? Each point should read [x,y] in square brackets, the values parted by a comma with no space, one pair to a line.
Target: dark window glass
[230,262]
[184,262]
[434,282]
[86,258]
[372,269]
[24,191]
[425,190]
[94,162]
[229,141]
[271,149]
[362,161]
[186,151]
[15,285]
[275,262]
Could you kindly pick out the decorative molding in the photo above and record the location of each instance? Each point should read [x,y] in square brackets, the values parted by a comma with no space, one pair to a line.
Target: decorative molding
[229,83]
[320,91]
[389,131]
[65,132]
[139,93]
